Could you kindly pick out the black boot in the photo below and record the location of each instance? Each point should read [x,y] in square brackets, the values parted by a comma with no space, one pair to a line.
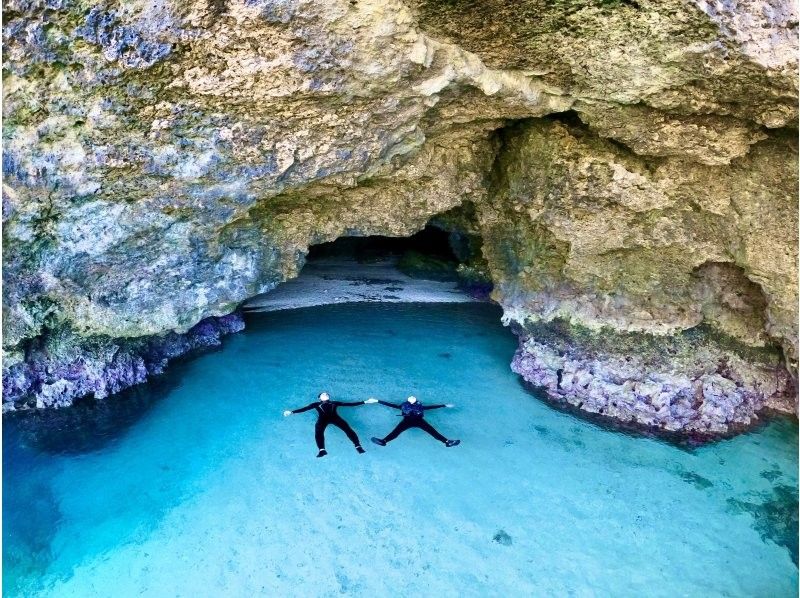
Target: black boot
[321,453]
[378,441]
[452,443]
[360,449]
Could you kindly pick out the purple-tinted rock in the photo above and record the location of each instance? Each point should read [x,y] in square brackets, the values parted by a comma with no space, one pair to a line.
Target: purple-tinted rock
[50,379]
[679,394]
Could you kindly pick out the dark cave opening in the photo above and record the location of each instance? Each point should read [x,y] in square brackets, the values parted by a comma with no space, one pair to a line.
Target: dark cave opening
[441,262]
[430,241]
[434,253]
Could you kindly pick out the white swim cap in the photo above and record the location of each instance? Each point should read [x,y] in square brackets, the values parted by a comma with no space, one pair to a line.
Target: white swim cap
[412,399]
[324,396]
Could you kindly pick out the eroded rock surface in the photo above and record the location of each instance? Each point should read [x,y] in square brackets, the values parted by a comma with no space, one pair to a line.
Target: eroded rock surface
[692,382]
[629,166]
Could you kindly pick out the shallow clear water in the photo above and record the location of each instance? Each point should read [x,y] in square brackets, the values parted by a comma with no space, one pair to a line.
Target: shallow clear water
[197,486]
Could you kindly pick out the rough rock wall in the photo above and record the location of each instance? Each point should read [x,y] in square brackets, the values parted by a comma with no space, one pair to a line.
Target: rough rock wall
[647,245]
[689,58]
[165,160]
[583,230]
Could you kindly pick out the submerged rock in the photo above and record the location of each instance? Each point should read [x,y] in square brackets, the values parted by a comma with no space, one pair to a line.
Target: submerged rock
[59,369]
[694,382]
[775,516]
[629,166]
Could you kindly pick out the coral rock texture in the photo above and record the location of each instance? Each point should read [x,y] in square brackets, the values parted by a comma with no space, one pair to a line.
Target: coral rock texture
[631,167]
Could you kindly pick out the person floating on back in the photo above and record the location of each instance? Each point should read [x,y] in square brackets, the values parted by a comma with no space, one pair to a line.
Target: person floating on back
[326,410]
[413,413]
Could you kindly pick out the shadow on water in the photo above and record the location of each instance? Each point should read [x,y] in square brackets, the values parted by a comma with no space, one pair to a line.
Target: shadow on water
[90,424]
[694,479]
[30,517]
[31,513]
[31,440]
[775,515]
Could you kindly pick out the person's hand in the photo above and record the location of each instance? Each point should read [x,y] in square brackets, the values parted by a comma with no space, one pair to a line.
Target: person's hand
[370,401]
[287,413]
[449,405]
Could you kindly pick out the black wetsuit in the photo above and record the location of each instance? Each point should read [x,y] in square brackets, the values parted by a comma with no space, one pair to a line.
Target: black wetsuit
[327,415]
[413,421]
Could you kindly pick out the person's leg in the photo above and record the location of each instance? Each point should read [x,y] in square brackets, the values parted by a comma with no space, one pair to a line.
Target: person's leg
[319,433]
[345,427]
[404,425]
[423,425]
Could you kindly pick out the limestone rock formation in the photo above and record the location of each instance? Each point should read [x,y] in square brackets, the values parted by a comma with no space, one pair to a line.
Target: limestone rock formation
[631,167]
[613,241]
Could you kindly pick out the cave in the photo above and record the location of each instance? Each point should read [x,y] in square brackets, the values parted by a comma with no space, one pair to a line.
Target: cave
[433,264]
[432,243]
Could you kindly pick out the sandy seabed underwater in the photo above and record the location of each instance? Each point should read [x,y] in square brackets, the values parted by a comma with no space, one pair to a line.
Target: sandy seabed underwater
[195,485]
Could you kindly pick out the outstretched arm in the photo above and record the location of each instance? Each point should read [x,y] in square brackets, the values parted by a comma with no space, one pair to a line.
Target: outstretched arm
[348,403]
[388,404]
[426,407]
[306,408]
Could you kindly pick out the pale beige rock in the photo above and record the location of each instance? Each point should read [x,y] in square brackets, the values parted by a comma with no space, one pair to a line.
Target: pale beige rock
[710,140]
[600,237]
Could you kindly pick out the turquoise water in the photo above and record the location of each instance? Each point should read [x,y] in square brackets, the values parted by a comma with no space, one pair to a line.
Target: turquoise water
[197,486]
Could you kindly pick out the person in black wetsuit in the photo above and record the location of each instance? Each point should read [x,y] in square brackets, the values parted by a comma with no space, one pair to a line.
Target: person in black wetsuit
[413,413]
[326,410]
